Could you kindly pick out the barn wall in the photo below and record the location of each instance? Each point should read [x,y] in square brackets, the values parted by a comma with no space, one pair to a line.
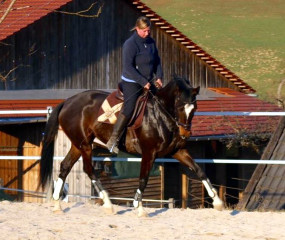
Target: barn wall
[21,140]
[63,51]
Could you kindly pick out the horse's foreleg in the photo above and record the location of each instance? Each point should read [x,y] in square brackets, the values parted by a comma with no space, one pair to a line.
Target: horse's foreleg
[88,168]
[218,204]
[103,194]
[184,157]
[65,167]
[146,165]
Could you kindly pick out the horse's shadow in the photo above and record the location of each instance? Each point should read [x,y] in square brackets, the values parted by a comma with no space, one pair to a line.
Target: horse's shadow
[78,204]
[124,211]
[153,214]
[157,212]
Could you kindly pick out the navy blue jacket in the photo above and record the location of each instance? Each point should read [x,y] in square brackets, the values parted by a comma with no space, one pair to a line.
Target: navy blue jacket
[140,60]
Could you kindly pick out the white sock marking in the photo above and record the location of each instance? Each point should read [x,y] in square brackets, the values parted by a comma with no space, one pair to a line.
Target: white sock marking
[209,189]
[57,189]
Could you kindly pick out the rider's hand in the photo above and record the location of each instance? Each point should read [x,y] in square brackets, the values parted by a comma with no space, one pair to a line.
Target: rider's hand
[158,83]
[147,86]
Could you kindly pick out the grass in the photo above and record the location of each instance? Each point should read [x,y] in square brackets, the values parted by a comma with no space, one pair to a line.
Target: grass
[248,37]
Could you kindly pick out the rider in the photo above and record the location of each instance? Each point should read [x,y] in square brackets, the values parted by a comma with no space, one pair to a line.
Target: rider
[140,63]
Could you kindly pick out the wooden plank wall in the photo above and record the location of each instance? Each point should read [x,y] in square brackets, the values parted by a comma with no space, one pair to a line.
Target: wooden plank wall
[8,168]
[21,140]
[76,52]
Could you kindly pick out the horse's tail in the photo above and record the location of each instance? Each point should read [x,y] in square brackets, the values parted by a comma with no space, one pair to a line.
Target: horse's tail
[46,162]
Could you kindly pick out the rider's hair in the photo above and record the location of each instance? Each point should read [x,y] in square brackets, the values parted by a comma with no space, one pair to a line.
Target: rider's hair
[142,23]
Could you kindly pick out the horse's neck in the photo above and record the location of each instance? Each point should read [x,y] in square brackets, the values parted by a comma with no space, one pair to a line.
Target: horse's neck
[166,98]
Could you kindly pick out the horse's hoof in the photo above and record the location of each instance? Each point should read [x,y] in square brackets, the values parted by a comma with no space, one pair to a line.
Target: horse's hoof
[57,207]
[218,205]
[57,211]
[142,212]
[108,209]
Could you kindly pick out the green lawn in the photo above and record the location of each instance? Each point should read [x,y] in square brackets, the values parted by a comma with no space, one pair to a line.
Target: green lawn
[247,36]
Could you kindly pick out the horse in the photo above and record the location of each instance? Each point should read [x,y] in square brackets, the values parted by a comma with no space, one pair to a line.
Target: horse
[165,127]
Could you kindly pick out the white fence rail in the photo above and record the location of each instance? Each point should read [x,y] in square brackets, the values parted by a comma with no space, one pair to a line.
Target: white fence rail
[158,160]
[15,112]
[48,111]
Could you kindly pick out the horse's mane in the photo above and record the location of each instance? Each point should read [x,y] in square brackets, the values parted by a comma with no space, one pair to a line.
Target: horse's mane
[183,79]
[169,91]
[181,82]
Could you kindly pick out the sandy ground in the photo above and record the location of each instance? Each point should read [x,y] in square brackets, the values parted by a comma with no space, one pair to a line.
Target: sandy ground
[89,221]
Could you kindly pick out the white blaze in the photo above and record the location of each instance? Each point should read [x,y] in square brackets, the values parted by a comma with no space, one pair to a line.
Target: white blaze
[188,109]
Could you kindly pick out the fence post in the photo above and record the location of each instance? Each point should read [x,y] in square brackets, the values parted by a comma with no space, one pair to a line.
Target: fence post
[49,110]
[171,203]
[184,191]
[222,192]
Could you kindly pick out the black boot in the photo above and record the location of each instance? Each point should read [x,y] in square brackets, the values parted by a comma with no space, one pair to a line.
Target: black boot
[117,132]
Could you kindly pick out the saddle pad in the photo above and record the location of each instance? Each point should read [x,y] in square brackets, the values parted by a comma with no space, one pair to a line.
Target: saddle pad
[110,109]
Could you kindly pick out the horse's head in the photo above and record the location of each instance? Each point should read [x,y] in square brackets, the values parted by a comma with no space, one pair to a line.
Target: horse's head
[185,106]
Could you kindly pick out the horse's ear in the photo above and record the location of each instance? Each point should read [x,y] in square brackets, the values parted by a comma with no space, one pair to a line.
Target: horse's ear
[196,90]
[187,81]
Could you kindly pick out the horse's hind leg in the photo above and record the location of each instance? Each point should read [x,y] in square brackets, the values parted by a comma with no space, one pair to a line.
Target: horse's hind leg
[184,157]
[65,167]
[146,165]
[86,152]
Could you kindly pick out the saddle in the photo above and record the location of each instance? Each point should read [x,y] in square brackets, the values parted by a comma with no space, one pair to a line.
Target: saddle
[110,109]
[112,106]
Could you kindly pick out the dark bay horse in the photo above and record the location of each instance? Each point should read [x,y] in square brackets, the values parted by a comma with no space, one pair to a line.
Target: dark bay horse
[165,127]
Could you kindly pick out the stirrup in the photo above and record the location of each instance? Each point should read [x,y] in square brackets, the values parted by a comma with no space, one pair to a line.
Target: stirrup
[114,149]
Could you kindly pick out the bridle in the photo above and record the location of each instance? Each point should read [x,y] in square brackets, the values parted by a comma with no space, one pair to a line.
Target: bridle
[187,127]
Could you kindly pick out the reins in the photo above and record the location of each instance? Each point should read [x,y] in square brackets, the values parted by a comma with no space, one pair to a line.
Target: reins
[187,127]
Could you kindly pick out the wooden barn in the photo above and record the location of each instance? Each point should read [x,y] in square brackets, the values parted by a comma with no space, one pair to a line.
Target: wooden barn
[52,50]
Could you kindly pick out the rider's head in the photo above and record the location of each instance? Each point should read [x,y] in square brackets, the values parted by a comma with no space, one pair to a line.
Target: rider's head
[142,27]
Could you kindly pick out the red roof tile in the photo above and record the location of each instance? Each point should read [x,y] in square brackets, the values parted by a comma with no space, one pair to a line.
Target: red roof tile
[22,13]
[227,125]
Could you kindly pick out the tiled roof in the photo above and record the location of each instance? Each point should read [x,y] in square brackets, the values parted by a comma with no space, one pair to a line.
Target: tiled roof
[218,100]
[227,125]
[18,14]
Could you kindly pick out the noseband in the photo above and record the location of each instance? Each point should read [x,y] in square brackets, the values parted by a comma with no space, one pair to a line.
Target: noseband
[187,127]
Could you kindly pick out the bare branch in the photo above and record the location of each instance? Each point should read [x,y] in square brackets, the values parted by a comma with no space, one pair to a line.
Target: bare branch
[80,13]
[7,11]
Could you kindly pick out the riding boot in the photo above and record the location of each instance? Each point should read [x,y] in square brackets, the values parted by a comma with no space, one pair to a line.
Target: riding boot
[117,132]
